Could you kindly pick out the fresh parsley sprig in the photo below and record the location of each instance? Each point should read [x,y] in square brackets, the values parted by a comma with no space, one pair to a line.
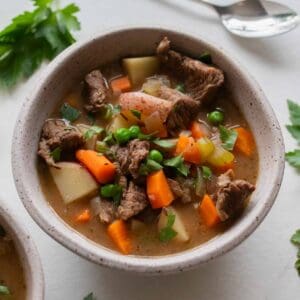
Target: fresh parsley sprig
[228,137]
[35,36]
[168,233]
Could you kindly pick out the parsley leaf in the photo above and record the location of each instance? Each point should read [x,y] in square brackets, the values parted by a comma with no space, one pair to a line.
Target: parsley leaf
[206,58]
[93,130]
[177,162]
[4,290]
[295,239]
[206,173]
[90,296]
[294,110]
[168,233]
[294,131]
[35,36]
[136,113]
[111,110]
[293,158]
[228,137]
[56,154]
[69,113]
[149,167]
[165,144]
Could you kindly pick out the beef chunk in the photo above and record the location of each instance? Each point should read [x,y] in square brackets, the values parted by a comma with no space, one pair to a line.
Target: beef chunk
[202,82]
[138,151]
[134,200]
[108,211]
[131,156]
[121,179]
[231,195]
[181,190]
[96,90]
[184,109]
[57,133]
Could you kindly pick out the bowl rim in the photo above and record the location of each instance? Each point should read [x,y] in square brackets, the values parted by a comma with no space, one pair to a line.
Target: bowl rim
[27,252]
[147,265]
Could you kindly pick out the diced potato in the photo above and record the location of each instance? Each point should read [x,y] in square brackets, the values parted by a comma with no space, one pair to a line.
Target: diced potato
[118,122]
[90,144]
[220,158]
[206,148]
[154,83]
[139,68]
[178,226]
[73,181]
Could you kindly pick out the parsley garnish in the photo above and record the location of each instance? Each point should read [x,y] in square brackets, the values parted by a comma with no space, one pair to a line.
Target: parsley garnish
[4,290]
[92,131]
[206,173]
[111,110]
[293,157]
[206,58]
[149,166]
[56,154]
[136,113]
[69,113]
[33,37]
[165,144]
[228,137]
[295,239]
[90,296]
[177,162]
[168,233]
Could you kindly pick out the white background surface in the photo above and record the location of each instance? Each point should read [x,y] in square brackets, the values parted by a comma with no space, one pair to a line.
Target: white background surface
[260,268]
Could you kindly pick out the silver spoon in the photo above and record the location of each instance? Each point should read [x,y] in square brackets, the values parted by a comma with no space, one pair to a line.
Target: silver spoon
[254,18]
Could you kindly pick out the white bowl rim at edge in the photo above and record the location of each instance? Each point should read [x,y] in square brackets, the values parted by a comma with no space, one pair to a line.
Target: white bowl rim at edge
[156,265]
[27,252]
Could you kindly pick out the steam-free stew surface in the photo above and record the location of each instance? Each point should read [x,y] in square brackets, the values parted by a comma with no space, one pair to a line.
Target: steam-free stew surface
[143,228]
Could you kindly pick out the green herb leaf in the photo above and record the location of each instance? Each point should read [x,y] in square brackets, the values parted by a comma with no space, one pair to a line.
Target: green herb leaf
[168,233]
[92,118]
[167,144]
[295,239]
[177,162]
[199,184]
[149,166]
[206,58]
[294,110]
[297,266]
[69,113]
[4,290]
[294,131]
[207,173]
[56,154]
[111,110]
[228,137]
[136,113]
[147,137]
[93,130]
[101,147]
[33,37]
[293,158]
[109,139]
[90,296]
[180,87]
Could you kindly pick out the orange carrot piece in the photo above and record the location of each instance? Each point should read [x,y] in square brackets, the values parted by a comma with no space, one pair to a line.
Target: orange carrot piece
[119,234]
[121,84]
[223,169]
[189,149]
[102,169]
[84,216]
[208,212]
[244,142]
[196,130]
[158,190]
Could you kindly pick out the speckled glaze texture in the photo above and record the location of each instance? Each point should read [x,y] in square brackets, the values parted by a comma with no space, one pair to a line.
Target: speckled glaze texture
[34,275]
[68,69]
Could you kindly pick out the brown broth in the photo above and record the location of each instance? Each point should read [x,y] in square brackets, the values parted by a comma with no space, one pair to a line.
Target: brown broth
[11,271]
[145,241]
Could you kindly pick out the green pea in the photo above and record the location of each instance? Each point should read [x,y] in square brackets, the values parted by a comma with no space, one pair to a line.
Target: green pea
[134,131]
[107,190]
[122,135]
[156,156]
[180,87]
[215,117]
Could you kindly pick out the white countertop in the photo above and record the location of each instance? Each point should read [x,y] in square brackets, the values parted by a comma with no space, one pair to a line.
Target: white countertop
[260,268]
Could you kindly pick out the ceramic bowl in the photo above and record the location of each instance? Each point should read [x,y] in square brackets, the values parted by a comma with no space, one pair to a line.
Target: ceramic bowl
[69,68]
[28,254]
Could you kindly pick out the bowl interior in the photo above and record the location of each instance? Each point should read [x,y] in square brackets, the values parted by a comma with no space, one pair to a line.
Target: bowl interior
[69,68]
[27,253]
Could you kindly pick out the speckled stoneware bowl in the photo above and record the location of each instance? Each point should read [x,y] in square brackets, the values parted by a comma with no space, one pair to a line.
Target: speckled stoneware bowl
[68,69]
[28,254]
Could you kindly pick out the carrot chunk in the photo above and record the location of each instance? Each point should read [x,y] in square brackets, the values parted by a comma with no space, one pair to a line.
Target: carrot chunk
[189,149]
[121,84]
[196,130]
[102,169]
[158,190]
[244,142]
[208,212]
[119,234]
[84,216]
